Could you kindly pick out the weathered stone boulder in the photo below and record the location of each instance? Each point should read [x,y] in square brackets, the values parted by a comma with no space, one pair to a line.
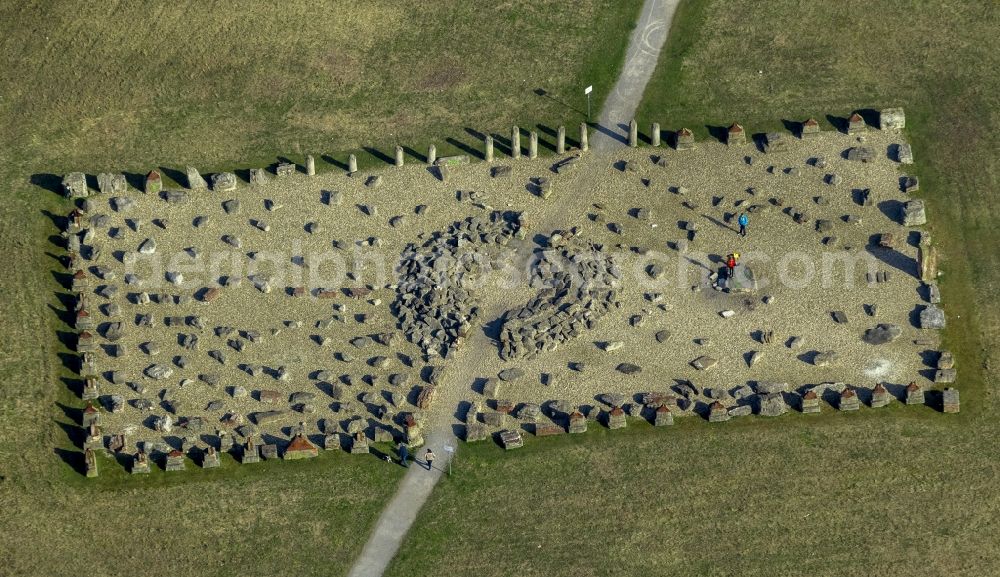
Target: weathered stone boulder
[932,317]
[704,363]
[772,405]
[882,334]
[913,213]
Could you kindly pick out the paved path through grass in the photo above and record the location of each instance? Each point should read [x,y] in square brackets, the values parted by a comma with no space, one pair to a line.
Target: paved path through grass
[620,106]
[640,61]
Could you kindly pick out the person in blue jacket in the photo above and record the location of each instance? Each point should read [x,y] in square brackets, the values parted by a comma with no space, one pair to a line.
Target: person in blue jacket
[744,221]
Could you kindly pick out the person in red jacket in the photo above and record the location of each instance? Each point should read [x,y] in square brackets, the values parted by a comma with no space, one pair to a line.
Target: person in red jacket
[731,262]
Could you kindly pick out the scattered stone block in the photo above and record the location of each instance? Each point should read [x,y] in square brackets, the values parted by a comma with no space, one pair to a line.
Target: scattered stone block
[855,124]
[892,119]
[882,334]
[616,418]
[904,154]
[776,142]
[300,448]
[849,400]
[223,182]
[577,423]
[880,396]
[945,375]
[685,139]
[175,461]
[717,413]
[932,317]
[511,439]
[810,402]
[772,405]
[914,394]
[663,416]
[950,400]
[809,129]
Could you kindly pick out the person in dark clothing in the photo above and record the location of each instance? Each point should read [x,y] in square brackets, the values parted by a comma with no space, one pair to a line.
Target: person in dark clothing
[404,453]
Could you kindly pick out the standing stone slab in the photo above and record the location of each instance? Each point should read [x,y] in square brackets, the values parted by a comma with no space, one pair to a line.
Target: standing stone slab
[515,142]
[175,461]
[90,462]
[736,135]
[577,423]
[633,133]
[300,448]
[880,396]
[914,394]
[685,139]
[154,183]
[855,124]
[511,439]
[584,143]
[532,145]
[663,417]
[904,154]
[195,180]
[717,413]
[809,129]
[616,418]
[224,182]
[932,317]
[258,176]
[849,400]
[950,400]
[489,149]
[431,154]
[75,185]
[561,140]
[210,459]
[111,183]
[352,164]
[776,142]
[310,166]
[810,402]
[399,156]
[654,134]
[892,119]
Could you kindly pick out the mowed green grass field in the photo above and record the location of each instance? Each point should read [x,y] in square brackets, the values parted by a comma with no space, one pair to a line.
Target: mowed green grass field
[891,492]
[130,86]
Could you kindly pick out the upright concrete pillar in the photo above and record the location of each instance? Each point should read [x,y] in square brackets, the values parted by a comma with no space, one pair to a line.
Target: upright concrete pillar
[432,154]
[310,165]
[399,155]
[515,142]
[489,149]
[561,140]
[633,133]
[654,134]
[352,164]
[533,145]
[584,145]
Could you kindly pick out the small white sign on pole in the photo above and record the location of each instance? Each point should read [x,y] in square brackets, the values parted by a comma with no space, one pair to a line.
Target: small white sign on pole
[588,89]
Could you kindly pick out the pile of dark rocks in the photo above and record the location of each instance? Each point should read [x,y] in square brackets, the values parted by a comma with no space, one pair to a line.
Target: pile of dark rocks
[434,304]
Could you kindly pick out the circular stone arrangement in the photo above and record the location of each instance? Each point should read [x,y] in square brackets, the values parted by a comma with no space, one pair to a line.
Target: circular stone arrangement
[434,303]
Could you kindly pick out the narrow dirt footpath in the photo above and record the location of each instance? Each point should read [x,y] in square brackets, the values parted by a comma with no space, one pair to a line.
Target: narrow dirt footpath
[398,516]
